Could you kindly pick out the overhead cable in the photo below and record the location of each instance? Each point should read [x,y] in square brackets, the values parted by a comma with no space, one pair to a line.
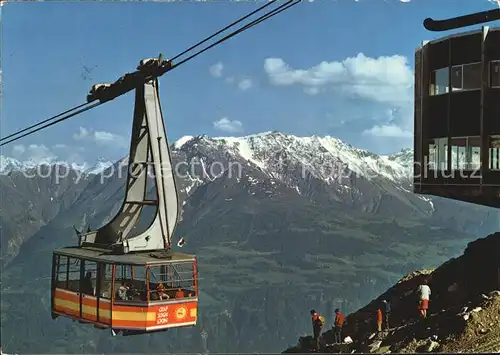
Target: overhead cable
[54,122]
[264,17]
[44,121]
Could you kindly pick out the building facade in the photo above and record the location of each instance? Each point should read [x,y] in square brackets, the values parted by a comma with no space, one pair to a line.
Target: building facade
[457,117]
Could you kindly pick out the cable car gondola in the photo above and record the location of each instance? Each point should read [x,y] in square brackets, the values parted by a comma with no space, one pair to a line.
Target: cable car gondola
[117,278]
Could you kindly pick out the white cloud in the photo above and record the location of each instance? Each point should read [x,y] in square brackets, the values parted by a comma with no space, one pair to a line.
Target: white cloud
[37,153]
[18,150]
[386,79]
[101,138]
[40,153]
[216,70]
[384,84]
[82,133]
[226,125]
[245,84]
[311,91]
[388,131]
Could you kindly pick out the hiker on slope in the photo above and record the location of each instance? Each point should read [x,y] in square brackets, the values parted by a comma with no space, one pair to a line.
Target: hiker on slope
[317,323]
[424,292]
[387,312]
[337,330]
[379,319]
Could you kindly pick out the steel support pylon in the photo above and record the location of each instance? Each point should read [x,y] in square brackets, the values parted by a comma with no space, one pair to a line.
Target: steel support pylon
[148,148]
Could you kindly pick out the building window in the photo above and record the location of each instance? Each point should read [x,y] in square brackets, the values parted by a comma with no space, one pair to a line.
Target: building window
[466,77]
[456,78]
[438,154]
[458,153]
[495,74]
[494,153]
[473,153]
[472,76]
[440,80]
[73,274]
[465,153]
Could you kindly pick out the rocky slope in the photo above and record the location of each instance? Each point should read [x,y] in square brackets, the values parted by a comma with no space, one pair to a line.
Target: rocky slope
[464,313]
[31,198]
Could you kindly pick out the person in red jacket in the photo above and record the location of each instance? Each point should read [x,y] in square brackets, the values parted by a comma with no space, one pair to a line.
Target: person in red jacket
[317,327]
[337,330]
[379,319]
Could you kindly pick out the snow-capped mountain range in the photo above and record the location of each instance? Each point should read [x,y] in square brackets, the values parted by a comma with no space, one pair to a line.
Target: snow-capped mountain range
[9,164]
[268,152]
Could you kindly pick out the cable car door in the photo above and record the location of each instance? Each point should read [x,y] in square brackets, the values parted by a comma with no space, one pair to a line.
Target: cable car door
[88,294]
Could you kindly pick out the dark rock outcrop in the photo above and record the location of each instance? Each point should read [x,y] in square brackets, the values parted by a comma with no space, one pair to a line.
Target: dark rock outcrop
[464,309]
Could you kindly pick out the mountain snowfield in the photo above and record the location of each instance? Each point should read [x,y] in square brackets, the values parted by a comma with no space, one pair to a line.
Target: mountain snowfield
[9,164]
[320,155]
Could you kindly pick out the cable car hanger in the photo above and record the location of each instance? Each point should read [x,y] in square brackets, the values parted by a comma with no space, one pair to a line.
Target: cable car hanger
[151,70]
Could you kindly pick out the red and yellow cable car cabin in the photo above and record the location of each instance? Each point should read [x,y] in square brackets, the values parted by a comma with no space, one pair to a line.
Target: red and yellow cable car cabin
[130,293]
[125,275]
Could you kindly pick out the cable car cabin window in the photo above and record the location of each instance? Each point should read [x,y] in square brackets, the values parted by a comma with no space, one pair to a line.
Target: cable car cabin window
[466,77]
[172,281]
[130,283]
[89,281]
[106,280]
[440,82]
[73,271]
[495,74]
[61,271]
[494,153]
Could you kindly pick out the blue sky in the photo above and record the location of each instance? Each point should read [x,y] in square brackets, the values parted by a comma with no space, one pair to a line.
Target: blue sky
[341,68]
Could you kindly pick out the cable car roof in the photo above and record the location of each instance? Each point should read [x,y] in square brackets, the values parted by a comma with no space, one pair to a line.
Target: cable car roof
[103,256]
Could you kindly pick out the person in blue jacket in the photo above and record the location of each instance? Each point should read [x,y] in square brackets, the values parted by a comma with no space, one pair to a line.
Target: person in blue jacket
[387,312]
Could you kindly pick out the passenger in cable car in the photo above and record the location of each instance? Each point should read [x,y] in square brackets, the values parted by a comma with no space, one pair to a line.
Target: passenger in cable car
[106,293]
[87,286]
[179,293]
[123,291]
[160,289]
